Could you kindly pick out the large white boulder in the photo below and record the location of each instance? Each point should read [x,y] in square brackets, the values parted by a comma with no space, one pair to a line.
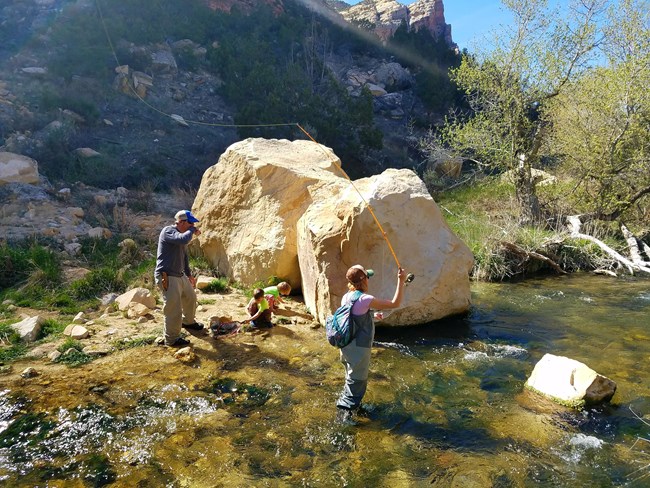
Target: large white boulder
[570,382]
[249,204]
[338,230]
[16,168]
[281,208]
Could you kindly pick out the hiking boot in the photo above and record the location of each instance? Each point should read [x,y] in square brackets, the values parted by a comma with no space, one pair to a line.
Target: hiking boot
[193,326]
[345,417]
[180,342]
[365,411]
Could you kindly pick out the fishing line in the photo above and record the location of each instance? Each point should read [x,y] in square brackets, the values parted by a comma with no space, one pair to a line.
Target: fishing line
[176,118]
[372,212]
[180,119]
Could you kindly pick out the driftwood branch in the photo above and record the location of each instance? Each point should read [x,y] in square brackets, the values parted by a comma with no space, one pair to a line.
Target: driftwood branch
[646,249]
[532,254]
[633,245]
[574,224]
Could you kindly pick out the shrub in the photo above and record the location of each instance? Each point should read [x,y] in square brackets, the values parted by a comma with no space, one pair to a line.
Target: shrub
[70,343]
[52,327]
[12,352]
[97,283]
[74,358]
[10,346]
[72,101]
[14,266]
[35,264]
[72,353]
[7,334]
[218,285]
[485,217]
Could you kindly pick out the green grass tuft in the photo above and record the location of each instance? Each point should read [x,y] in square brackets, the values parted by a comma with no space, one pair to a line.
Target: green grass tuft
[70,343]
[12,352]
[51,329]
[131,343]
[217,285]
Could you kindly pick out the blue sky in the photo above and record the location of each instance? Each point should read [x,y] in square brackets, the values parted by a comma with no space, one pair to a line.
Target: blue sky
[470,20]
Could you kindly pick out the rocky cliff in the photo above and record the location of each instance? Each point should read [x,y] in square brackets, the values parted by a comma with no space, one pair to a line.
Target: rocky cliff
[385,16]
[244,5]
[157,107]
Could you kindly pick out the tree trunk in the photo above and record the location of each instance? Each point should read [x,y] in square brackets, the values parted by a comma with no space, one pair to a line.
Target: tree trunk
[526,192]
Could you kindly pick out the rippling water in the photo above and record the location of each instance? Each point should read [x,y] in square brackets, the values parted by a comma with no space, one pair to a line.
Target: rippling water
[445,406]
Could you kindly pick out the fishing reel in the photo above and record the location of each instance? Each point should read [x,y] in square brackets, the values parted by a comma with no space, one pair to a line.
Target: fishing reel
[409,277]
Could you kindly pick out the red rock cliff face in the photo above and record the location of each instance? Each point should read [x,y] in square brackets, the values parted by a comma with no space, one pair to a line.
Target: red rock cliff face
[430,14]
[244,5]
[387,15]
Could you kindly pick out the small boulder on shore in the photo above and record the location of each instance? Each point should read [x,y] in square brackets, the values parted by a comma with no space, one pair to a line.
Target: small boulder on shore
[137,295]
[29,328]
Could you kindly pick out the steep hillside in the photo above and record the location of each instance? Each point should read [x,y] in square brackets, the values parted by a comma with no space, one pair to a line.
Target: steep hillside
[156,89]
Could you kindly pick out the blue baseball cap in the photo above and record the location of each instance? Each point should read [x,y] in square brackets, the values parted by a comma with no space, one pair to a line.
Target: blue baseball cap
[185,215]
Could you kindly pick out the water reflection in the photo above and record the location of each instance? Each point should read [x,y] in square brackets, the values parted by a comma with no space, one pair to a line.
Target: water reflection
[445,406]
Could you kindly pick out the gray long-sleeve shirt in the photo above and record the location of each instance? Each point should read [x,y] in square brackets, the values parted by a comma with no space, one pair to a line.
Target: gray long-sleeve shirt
[172,252]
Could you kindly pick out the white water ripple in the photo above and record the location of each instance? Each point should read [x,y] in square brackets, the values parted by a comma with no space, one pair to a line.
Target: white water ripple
[394,345]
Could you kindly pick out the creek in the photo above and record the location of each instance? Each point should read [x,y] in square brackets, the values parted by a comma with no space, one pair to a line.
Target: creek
[446,405]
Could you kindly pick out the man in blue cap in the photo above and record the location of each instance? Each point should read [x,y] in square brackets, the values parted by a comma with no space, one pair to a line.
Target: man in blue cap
[175,279]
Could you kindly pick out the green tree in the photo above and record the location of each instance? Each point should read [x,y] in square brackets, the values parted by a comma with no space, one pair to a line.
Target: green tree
[509,83]
[601,123]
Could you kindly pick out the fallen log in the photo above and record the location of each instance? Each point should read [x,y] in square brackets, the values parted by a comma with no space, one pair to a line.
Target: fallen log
[574,224]
[532,254]
[633,245]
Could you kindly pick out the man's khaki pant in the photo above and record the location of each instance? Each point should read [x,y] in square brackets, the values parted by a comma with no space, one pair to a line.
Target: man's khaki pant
[179,306]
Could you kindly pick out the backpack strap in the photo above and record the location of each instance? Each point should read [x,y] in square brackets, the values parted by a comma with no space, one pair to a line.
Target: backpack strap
[355,297]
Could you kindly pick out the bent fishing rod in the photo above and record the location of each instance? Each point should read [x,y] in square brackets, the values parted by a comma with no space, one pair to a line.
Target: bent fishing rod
[410,276]
[179,119]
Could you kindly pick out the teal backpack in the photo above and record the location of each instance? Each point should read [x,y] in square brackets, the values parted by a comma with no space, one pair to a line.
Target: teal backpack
[338,327]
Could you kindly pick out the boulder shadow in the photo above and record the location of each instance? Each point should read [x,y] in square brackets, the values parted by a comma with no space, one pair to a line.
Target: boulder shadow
[286,312]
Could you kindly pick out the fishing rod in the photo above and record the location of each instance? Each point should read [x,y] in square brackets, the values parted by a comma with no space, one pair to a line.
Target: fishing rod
[410,276]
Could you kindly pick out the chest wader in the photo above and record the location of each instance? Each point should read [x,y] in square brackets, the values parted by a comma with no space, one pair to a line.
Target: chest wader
[356,360]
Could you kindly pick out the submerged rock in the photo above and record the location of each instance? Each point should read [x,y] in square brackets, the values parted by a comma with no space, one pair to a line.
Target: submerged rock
[185,355]
[29,373]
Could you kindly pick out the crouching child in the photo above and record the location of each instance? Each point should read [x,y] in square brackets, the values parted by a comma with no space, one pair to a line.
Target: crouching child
[258,310]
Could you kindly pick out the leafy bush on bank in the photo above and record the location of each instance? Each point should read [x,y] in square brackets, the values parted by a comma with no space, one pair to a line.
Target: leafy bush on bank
[484,215]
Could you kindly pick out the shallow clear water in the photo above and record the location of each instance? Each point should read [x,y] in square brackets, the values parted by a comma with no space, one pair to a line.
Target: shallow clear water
[445,406]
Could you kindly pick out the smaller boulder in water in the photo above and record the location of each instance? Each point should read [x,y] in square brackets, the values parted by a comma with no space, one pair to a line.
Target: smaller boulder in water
[570,382]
